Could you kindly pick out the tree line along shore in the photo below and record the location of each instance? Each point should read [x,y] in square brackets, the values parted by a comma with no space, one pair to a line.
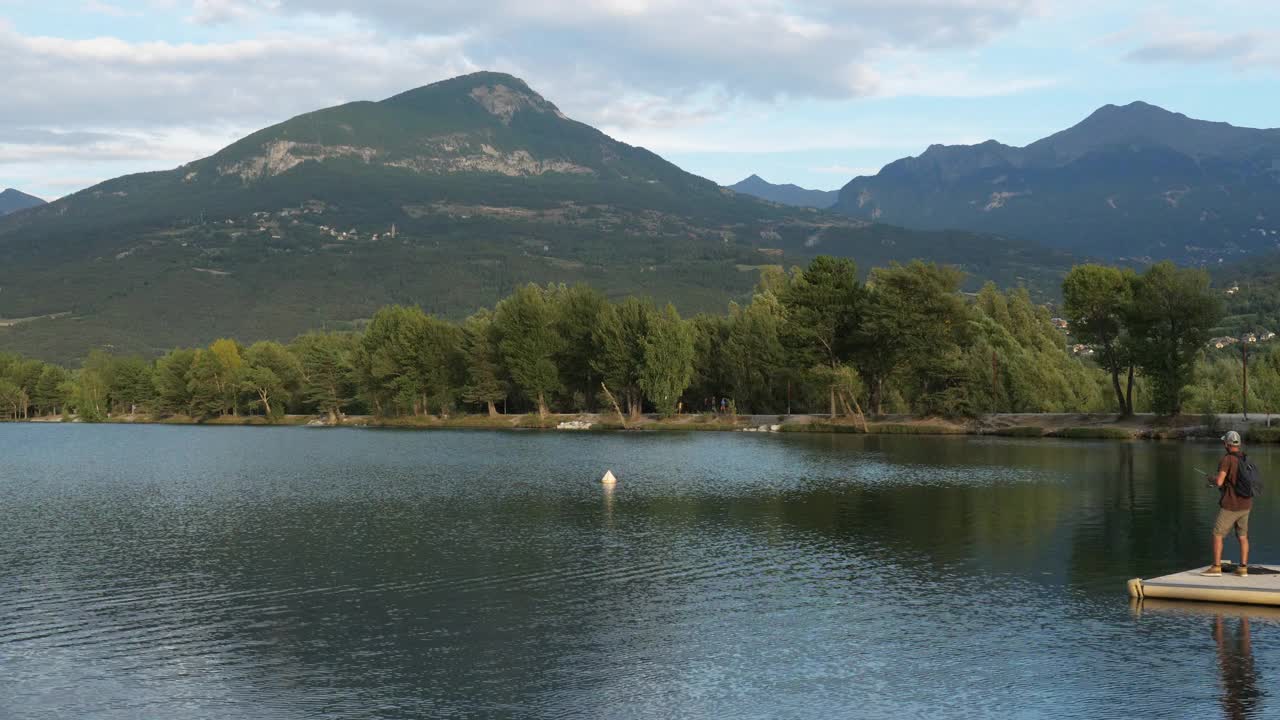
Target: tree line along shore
[1073,426]
[816,340]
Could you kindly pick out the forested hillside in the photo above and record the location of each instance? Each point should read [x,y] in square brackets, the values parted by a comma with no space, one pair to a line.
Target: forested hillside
[1135,182]
[447,197]
[814,340]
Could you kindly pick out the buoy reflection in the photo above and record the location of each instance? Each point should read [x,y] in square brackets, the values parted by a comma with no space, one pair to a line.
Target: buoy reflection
[609,490]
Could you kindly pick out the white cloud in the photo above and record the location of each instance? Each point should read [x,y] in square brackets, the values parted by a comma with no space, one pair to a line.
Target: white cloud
[104,8]
[119,107]
[168,147]
[1247,42]
[221,12]
[113,83]
[642,69]
[754,48]
[1198,46]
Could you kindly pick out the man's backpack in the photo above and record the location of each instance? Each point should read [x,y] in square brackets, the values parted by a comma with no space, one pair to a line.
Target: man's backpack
[1248,479]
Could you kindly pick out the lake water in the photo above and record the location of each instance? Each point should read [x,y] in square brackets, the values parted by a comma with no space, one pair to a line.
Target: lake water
[218,572]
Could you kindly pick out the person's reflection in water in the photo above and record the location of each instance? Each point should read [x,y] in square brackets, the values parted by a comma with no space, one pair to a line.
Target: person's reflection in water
[1239,677]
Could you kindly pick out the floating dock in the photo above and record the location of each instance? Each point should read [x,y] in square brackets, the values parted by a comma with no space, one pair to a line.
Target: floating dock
[1191,608]
[1260,587]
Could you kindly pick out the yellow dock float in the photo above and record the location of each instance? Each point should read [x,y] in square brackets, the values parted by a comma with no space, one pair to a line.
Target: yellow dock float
[1260,587]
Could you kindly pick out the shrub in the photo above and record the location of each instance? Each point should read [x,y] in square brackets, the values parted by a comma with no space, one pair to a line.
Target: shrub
[1097,433]
[1020,431]
[1263,435]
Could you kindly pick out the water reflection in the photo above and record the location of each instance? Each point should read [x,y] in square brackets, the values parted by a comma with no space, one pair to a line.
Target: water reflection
[1240,694]
[352,574]
[608,490]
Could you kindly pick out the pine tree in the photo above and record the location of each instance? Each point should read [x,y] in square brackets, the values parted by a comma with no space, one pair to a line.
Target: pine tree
[326,371]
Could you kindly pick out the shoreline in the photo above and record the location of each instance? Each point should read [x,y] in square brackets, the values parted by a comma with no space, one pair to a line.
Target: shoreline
[1030,425]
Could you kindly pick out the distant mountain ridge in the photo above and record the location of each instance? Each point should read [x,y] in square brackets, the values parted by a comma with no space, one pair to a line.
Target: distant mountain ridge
[1133,181]
[14,200]
[786,194]
[447,196]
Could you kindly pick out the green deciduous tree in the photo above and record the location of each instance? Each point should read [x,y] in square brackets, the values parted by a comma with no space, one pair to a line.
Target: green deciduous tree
[711,374]
[263,385]
[1097,302]
[668,360]
[23,375]
[48,397]
[272,375]
[578,311]
[87,393]
[409,361]
[914,319]
[485,383]
[754,355]
[214,379]
[1172,314]
[620,350]
[11,399]
[529,343]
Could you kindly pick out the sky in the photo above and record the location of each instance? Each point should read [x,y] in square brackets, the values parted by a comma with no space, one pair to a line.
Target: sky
[813,93]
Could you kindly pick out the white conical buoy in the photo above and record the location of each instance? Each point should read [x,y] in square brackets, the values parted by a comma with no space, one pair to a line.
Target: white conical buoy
[608,478]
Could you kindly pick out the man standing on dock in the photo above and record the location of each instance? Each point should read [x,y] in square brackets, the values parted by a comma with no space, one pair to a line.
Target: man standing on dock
[1233,510]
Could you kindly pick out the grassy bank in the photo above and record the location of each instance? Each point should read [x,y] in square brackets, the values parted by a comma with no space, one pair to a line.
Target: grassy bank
[1066,426]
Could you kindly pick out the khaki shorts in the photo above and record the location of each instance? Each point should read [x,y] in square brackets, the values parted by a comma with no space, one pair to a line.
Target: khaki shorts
[1228,518]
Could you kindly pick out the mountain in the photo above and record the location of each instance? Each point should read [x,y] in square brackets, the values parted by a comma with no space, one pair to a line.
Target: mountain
[1136,182]
[447,197]
[13,200]
[788,194]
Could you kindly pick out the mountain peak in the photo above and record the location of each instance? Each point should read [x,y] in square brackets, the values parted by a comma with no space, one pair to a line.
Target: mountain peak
[1137,106]
[1133,180]
[786,194]
[1131,117]
[12,200]
[464,84]
[500,94]
[1145,125]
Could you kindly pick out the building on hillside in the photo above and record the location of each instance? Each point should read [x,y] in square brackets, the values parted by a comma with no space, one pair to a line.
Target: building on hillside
[1233,290]
[1059,323]
[1249,338]
[1081,349]
[1221,342]
[1266,335]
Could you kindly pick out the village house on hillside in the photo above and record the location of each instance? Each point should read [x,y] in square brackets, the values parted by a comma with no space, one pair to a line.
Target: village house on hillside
[1247,338]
